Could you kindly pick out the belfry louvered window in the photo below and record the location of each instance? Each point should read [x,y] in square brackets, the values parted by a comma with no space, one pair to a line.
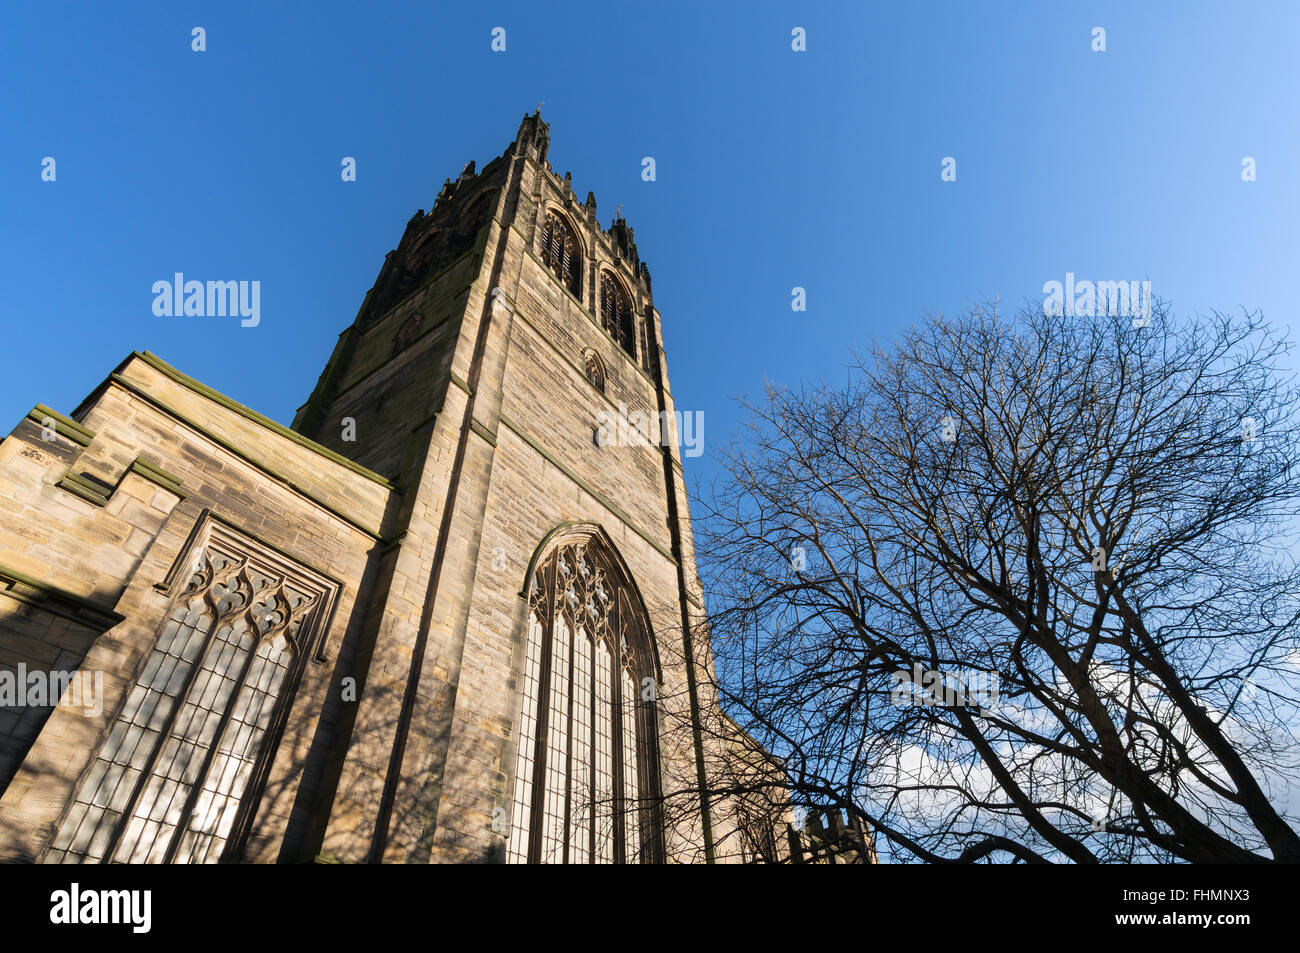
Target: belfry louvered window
[585,774]
[178,777]
[560,252]
[616,311]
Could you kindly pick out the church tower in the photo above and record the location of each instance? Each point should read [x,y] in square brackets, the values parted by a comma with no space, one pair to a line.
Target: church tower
[450,615]
[487,372]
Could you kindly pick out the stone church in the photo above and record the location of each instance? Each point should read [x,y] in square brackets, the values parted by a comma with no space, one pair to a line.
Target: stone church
[438,619]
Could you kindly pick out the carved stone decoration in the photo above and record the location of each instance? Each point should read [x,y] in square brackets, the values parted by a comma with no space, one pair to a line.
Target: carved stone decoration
[431,244]
[199,728]
[588,653]
[409,331]
[623,239]
[561,253]
[616,311]
[594,371]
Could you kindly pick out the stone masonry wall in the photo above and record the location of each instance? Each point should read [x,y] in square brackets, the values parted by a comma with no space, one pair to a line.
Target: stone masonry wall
[89,523]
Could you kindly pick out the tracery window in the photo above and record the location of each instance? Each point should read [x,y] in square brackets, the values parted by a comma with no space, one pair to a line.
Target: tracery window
[561,253]
[407,333]
[178,778]
[585,772]
[616,311]
[593,370]
[757,837]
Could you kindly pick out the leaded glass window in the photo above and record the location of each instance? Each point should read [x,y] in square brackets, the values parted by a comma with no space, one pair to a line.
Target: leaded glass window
[178,776]
[585,768]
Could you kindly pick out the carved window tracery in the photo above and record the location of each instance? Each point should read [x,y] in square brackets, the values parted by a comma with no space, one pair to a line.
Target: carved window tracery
[179,775]
[585,773]
[616,311]
[593,370]
[407,333]
[561,253]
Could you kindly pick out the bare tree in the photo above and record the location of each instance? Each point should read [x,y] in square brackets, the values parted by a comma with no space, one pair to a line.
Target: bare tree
[1021,589]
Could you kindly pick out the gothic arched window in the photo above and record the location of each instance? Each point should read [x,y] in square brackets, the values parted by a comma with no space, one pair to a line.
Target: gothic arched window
[595,372]
[407,333]
[585,774]
[178,778]
[476,214]
[616,311]
[561,253]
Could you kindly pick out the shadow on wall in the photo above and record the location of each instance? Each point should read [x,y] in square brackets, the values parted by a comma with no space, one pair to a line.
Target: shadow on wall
[41,655]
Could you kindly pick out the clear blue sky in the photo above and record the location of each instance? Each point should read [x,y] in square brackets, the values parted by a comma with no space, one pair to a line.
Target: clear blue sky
[819,169]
